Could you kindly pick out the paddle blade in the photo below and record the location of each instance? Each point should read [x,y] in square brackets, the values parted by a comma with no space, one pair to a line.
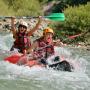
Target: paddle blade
[56,16]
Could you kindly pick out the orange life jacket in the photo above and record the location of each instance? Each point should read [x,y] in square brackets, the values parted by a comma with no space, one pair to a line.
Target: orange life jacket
[22,41]
[47,51]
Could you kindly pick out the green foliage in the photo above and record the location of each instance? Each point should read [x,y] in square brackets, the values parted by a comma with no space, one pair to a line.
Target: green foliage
[78,18]
[62,4]
[4,9]
[77,21]
[43,1]
[23,7]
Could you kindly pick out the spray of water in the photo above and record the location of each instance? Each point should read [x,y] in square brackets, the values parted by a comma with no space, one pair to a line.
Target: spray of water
[75,60]
[6,42]
[11,71]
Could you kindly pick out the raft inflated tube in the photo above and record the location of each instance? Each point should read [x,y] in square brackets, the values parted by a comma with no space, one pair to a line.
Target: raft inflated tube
[13,59]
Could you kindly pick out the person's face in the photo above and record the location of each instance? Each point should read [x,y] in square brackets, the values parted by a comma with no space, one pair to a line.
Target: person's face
[22,28]
[48,37]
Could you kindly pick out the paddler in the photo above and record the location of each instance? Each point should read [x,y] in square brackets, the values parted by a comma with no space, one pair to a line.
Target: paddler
[22,35]
[44,46]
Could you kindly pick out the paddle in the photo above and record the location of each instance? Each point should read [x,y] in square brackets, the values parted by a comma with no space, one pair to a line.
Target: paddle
[53,16]
[56,16]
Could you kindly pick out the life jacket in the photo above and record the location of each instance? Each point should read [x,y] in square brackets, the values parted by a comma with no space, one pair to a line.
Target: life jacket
[46,50]
[22,41]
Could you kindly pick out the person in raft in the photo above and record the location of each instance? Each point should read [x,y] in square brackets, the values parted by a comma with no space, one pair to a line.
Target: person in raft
[43,47]
[22,35]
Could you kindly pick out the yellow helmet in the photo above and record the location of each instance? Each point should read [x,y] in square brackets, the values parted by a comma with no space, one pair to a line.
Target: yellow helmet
[48,30]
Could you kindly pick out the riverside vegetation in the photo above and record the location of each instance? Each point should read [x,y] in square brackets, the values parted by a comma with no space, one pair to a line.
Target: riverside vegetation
[77,16]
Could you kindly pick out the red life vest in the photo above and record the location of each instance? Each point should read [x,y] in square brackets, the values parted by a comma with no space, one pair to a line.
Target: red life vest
[22,41]
[47,51]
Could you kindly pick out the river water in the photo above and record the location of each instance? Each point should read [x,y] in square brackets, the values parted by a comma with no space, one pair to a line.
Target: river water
[13,77]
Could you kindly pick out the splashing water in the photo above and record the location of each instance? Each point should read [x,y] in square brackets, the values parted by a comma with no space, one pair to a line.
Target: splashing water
[6,42]
[13,77]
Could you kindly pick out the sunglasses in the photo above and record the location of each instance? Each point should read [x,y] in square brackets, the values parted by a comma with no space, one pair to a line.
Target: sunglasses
[22,26]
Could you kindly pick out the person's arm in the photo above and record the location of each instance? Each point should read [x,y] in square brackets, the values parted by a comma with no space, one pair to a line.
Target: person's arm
[13,28]
[35,28]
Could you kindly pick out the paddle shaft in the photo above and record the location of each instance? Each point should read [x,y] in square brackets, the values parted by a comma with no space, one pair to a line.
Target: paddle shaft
[53,16]
[8,17]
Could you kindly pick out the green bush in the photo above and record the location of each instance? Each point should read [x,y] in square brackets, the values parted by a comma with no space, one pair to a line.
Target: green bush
[4,9]
[21,7]
[78,18]
[77,21]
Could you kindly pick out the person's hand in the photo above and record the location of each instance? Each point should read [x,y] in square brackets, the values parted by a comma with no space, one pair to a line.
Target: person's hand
[13,18]
[57,42]
[40,19]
